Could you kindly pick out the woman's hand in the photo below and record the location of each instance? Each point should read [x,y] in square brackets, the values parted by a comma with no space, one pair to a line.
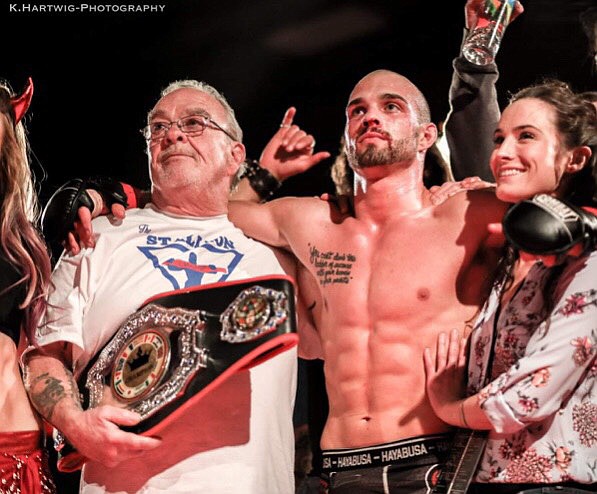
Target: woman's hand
[445,376]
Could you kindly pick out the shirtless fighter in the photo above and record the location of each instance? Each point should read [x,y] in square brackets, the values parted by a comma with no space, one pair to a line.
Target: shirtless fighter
[390,279]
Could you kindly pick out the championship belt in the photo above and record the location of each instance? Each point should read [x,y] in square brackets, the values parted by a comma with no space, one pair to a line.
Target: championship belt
[181,345]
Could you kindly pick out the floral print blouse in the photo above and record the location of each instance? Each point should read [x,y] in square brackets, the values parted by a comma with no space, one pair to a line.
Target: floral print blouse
[542,397]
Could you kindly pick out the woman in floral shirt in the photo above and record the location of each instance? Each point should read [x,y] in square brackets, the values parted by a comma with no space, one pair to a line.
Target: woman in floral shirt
[536,336]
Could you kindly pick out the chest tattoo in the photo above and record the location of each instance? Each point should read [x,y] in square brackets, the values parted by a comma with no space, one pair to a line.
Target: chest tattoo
[331,267]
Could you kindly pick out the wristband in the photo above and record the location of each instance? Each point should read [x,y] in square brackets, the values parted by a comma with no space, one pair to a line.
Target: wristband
[131,195]
[261,180]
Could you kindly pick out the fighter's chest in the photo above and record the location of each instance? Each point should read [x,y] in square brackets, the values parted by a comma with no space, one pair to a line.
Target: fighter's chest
[364,260]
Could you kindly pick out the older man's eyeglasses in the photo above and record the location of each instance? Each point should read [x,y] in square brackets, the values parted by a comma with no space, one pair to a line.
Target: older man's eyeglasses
[192,125]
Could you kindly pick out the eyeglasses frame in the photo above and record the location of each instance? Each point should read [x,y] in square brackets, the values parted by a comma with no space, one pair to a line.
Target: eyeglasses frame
[145,132]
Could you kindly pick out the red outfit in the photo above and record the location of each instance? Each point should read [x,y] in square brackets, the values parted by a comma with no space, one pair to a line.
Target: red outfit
[24,464]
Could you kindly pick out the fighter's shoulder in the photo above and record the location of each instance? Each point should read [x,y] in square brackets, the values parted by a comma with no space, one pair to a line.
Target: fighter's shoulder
[486,202]
[482,200]
[302,207]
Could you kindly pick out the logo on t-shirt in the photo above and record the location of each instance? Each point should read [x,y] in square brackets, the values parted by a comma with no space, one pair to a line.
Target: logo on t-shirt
[193,260]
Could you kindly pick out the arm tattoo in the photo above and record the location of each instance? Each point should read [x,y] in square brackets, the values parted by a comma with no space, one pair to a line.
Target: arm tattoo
[47,391]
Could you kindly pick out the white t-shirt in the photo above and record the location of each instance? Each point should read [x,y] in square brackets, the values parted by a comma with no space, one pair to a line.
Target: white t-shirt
[243,441]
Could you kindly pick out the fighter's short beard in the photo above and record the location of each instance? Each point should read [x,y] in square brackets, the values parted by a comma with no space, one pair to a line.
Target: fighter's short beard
[399,150]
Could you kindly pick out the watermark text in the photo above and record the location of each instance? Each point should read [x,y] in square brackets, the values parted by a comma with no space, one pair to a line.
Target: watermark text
[85,8]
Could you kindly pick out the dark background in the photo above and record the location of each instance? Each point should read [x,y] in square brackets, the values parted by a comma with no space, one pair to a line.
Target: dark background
[97,74]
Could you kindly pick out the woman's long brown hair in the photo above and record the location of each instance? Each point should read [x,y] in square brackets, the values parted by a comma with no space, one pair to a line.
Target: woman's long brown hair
[20,241]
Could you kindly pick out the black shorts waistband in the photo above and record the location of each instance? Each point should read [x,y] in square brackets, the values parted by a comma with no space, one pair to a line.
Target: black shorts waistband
[410,451]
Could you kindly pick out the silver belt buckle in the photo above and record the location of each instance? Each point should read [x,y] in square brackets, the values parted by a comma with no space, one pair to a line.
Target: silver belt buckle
[132,368]
[140,370]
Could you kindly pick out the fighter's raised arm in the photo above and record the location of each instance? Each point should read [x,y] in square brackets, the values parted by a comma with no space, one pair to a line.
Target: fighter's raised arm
[289,152]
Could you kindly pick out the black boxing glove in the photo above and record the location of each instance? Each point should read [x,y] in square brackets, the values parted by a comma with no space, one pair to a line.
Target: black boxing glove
[60,212]
[545,225]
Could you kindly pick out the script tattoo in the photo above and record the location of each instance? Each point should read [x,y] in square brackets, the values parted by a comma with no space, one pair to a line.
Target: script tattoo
[51,393]
[331,267]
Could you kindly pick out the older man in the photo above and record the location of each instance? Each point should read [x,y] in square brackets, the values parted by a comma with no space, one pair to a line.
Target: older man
[239,438]
[391,278]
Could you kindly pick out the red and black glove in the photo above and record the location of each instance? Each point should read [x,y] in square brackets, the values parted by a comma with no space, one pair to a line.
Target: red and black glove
[60,213]
[545,225]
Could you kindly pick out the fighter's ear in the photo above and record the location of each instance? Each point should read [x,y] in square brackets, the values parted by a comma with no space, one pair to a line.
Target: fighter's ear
[427,136]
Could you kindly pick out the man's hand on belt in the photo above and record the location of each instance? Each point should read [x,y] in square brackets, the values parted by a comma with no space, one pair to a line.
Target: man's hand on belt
[95,433]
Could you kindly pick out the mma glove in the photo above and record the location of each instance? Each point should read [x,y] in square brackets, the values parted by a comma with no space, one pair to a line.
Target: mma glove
[545,225]
[61,211]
